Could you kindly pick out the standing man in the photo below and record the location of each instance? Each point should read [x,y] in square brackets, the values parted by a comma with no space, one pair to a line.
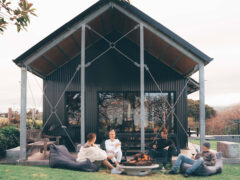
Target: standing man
[113,148]
[206,157]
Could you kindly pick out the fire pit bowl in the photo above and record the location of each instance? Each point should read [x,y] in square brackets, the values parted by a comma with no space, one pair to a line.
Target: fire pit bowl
[140,165]
[138,170]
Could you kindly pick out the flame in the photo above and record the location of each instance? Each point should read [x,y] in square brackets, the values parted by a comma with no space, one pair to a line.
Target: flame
[139,159]
[143,157]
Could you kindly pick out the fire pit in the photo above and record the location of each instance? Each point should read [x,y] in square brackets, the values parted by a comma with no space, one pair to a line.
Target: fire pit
[140,165]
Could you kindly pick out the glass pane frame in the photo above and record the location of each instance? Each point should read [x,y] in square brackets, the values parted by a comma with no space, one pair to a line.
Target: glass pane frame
[72,111]
[132,113]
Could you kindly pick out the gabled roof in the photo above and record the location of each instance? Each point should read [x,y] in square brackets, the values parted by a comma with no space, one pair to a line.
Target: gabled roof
[64,44]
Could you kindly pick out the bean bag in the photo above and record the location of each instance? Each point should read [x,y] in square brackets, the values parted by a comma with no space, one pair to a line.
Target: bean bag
[61,158]
[204,170]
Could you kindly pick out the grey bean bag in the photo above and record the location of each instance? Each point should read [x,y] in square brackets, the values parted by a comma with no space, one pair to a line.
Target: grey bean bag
[206,170]
[61,158]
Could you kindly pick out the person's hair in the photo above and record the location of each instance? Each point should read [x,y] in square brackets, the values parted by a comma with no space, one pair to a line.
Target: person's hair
[112,130]
[91,136]
[165,130]
[207,145]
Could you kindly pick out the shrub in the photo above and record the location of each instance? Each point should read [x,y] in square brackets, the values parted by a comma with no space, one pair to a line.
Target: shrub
[3,144]
[9,138]
[36,124]
[29,123]
[4,122]
[16,119]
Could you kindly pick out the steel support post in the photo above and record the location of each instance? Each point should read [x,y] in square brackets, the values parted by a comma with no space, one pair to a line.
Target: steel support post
[23,115]
[83,85]
[202,105]
[142,87]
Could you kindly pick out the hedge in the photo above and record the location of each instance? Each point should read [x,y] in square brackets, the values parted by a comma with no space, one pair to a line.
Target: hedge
[9,138]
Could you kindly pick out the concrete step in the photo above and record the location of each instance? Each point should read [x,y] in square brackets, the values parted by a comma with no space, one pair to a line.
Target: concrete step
[12,155]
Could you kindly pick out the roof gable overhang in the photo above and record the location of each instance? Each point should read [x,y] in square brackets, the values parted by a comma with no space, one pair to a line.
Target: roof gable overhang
[102,18]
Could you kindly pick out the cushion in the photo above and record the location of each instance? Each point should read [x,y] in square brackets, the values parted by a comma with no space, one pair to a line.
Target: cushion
[204,170]
[61,158]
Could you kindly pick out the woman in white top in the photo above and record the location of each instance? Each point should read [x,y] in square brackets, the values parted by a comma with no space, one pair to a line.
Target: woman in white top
[95,154]
[113,148]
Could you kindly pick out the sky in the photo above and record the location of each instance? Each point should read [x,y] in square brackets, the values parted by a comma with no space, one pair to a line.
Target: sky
[213,26]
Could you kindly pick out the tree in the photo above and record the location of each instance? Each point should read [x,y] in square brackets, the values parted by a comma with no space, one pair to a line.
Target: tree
[126,1]
[15,14]
[194,110]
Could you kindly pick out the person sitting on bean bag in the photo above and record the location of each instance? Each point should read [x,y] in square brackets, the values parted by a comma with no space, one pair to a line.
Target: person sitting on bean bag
[95,154]
[206,157]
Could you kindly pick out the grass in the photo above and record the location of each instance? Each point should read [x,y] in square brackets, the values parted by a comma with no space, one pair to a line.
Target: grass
[7,172]
[213,144]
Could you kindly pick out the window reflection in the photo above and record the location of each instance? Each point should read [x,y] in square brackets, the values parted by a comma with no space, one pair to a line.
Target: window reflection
[73,108]
[121,111]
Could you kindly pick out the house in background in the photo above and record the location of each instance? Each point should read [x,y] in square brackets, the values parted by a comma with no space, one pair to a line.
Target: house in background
[113,66]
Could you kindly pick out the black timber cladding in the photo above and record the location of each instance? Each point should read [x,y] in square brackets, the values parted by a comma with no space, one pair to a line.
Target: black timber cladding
[112,72]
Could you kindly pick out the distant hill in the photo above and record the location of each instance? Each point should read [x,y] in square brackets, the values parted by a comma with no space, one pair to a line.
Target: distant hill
[222,108]
[224,123]
[219,108]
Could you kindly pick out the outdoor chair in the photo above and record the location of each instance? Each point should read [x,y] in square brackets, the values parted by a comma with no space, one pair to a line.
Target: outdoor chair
[40,142]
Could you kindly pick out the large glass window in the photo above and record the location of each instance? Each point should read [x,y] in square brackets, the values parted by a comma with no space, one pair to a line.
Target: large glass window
[121,111]
[158,111]
[73,108]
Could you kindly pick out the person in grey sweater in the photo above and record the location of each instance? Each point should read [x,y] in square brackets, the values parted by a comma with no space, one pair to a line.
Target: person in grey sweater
[206,157]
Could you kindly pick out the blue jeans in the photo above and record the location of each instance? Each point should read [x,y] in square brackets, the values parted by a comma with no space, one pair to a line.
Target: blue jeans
[184,159]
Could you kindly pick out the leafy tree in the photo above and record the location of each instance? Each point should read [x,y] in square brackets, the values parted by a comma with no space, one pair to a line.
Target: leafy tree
[15,14]
[126,1]
[194,110]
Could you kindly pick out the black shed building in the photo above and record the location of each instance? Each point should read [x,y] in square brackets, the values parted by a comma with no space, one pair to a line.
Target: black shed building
[113,66]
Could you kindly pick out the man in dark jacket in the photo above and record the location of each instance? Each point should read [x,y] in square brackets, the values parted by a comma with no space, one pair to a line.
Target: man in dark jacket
[206,157]
[158,148]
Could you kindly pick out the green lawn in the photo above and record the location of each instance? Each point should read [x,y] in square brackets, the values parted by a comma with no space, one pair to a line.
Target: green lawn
[213,144]
[30,173]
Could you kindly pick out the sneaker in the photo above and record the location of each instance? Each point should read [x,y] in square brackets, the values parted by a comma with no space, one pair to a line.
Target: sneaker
[186,175]
[163,169]
[119,169]
[115,171]
[171,172]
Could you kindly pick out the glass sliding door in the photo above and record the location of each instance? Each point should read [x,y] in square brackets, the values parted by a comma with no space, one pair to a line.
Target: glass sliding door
[73,117]
[73,108]
[158,112]
[121,111]
[110,112]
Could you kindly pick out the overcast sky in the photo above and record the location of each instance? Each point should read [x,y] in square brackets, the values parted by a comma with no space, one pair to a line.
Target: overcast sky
[213,26]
